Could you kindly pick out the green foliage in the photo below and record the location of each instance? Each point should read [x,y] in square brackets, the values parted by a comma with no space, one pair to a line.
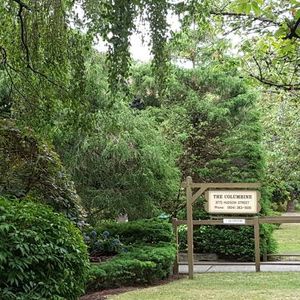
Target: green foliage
[230,242]
[148,254]
[271,54]
[115,21]
[158,27]
[222,129]
[36,59]
[30,169]
[142,265]
[120,17]
[42,254]
[102,244]
[123,166]
[214,116]
[280,118]
[138,232]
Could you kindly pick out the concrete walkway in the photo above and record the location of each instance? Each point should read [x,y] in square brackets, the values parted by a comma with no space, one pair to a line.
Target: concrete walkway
[242,267]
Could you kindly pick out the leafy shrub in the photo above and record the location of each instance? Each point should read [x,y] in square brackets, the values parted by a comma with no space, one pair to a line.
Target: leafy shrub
[42,254]
[148,254]
[30,169]
[103,244]
[142,265]
[230,242]
[142,231]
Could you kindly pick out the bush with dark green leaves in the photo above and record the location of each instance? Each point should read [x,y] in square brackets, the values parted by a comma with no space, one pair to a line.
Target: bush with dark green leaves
[229,242]
[42,253]
[30,169]
[147,256]
[143,231]
[141,265]
[103,244]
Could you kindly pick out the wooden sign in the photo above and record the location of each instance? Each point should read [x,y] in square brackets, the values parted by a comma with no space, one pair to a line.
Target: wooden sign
[232,201]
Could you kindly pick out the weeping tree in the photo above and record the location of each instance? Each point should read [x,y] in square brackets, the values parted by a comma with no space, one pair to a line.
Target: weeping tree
[44,54]
[41,57]
[124,167]
[115,21]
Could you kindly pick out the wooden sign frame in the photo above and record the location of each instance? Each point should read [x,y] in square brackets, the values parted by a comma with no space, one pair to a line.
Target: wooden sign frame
[191,196]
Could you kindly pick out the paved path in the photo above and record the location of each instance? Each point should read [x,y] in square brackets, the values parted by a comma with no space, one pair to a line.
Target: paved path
[247,267]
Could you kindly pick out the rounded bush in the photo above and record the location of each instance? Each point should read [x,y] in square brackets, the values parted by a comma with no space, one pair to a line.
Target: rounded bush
[29,168]
[147,255]
[42,254]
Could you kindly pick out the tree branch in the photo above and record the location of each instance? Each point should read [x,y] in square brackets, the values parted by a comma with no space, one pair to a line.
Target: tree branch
[293,33]
[24,44]
[4,55]
[287,87]
[22,4]
[259,67]
[252,17]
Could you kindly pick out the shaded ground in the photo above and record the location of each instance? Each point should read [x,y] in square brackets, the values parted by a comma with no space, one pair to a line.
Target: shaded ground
[104,294]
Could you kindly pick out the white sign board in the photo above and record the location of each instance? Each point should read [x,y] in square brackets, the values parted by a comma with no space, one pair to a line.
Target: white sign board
[234,221]
[232,201]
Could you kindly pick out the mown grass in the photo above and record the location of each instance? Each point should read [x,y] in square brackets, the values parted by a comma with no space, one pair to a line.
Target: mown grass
[223,286]
[288,239]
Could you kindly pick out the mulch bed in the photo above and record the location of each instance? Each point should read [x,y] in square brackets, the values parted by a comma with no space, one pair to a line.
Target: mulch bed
[103,294]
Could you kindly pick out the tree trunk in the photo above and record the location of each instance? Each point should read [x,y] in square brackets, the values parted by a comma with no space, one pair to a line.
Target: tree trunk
[290,206]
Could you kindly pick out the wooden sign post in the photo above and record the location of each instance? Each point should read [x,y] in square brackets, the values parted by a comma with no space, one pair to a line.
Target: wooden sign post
[221,200]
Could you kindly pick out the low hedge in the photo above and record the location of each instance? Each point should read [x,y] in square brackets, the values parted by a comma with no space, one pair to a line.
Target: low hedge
[147,255]
[229,242]
[138,232]
[141,265]
[42,254]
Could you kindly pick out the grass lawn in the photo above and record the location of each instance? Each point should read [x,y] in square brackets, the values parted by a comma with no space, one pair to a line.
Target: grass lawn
[288,238]
[223,286]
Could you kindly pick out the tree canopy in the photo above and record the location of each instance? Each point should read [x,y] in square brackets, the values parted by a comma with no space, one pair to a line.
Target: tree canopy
[120,127]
